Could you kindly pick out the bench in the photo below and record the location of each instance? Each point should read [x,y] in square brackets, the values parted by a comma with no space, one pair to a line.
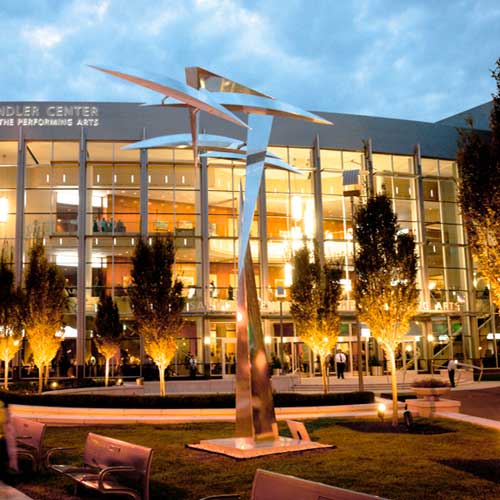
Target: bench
[273,486]
[298,430]
[110,466]
[29,439]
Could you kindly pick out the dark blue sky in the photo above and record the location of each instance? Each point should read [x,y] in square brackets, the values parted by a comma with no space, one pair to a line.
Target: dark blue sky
[421,60]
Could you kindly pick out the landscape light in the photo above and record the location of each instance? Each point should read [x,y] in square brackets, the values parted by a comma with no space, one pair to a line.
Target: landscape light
[381,408]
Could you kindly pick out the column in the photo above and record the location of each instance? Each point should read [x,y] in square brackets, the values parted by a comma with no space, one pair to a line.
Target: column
[21,180]
[81,326]
[318,200]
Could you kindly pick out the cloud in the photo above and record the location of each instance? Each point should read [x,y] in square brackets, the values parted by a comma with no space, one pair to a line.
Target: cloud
[379,56]
[44,37]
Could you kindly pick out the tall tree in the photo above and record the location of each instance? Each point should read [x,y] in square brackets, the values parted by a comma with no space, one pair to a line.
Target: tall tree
[157,301]
[45,304]
[385,289]
[314,295]
[478,160]
[10,302]
[108,329]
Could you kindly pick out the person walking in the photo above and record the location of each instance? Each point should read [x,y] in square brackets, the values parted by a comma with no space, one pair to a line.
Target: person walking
[452,366]
[340,359]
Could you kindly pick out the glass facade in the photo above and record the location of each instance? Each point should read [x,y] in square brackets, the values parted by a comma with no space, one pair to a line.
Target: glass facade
[92,200]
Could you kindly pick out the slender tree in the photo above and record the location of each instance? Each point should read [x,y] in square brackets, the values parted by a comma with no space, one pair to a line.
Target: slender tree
[108,329]
[478,160]
[45,304]
[314,295]
[10,303]
[157,301]
[385,290]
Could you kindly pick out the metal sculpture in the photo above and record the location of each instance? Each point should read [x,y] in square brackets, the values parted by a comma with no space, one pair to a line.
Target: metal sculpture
[220,96]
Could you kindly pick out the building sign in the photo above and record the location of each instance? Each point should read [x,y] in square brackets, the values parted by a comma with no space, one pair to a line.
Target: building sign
[441,306]
[48,115]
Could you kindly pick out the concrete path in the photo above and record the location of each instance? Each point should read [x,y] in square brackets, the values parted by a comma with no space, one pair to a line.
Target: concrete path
[483,402]
[9,493]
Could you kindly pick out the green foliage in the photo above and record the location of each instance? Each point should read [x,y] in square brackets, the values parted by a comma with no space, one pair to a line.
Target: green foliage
[157,301]
[107,321]
[45,297]
[478,160]
[10,297]
[155,297]
[430,382]
[386,269]
[315,293]
[180,401]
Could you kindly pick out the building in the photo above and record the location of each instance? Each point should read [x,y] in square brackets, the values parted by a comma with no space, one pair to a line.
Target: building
[62,169]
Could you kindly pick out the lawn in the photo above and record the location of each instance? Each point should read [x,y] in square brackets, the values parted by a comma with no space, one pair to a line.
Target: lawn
[442,459]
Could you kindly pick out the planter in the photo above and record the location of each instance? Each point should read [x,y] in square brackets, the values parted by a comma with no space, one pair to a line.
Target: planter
[377,370]
[430,393]
[276,371]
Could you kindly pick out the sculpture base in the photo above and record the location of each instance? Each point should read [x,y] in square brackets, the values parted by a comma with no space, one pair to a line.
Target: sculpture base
[244,448]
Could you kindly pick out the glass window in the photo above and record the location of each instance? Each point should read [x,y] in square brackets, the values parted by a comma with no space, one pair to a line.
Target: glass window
[429,167]
[447,168]
[277,181]
[330,159]
[402,164]
[448,190]
[382,163]
[8,164]
[300,158]
[331,183]
[403,188]
[431,192]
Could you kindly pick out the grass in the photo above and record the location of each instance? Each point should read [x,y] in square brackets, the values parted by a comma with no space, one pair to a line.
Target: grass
[441,459]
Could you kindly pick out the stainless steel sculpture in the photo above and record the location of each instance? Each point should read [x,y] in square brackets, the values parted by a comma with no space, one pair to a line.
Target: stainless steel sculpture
[220,96]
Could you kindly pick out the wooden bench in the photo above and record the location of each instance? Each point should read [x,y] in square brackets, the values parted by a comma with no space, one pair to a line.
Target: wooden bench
[298,430]
[29,439]
[110,466]
[273,486]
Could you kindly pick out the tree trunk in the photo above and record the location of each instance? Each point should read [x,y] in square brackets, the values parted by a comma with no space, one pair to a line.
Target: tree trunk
[394,383]
[106,372]
[6,379]
[323,376]
[161,368]
[40,378]
[47,369]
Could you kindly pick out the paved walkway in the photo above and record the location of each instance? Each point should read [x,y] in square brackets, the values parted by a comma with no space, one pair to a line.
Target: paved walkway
[479,402]
[9,493]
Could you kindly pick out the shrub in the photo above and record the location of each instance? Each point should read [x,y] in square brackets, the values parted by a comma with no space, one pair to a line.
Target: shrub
[430,382]
[179,401]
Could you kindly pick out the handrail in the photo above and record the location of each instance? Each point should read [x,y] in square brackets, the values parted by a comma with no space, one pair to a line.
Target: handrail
[472,367]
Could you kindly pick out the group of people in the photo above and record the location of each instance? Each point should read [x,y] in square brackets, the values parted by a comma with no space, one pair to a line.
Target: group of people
[108,226]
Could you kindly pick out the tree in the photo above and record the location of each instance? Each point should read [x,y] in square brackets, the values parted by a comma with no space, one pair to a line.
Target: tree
[45,304]
[108,329]
[157,301]
[386,269]
[314,297]
[478,160]
[10,301]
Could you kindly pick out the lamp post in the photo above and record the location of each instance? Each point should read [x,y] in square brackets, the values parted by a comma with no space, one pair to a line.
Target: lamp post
[352,188]
[280,295]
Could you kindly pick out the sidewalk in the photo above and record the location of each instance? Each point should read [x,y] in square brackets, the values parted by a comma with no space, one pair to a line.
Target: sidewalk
[9,493]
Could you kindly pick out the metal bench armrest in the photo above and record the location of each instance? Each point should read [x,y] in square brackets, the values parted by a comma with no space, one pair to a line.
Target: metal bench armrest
[224,496]
[110,470]
[52,451]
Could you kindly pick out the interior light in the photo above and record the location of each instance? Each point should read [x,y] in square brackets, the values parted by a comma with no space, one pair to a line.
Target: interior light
[309,219]
[430,337]
[297,207]
[288,274]
[4,209]
[206,340]
[267,339]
